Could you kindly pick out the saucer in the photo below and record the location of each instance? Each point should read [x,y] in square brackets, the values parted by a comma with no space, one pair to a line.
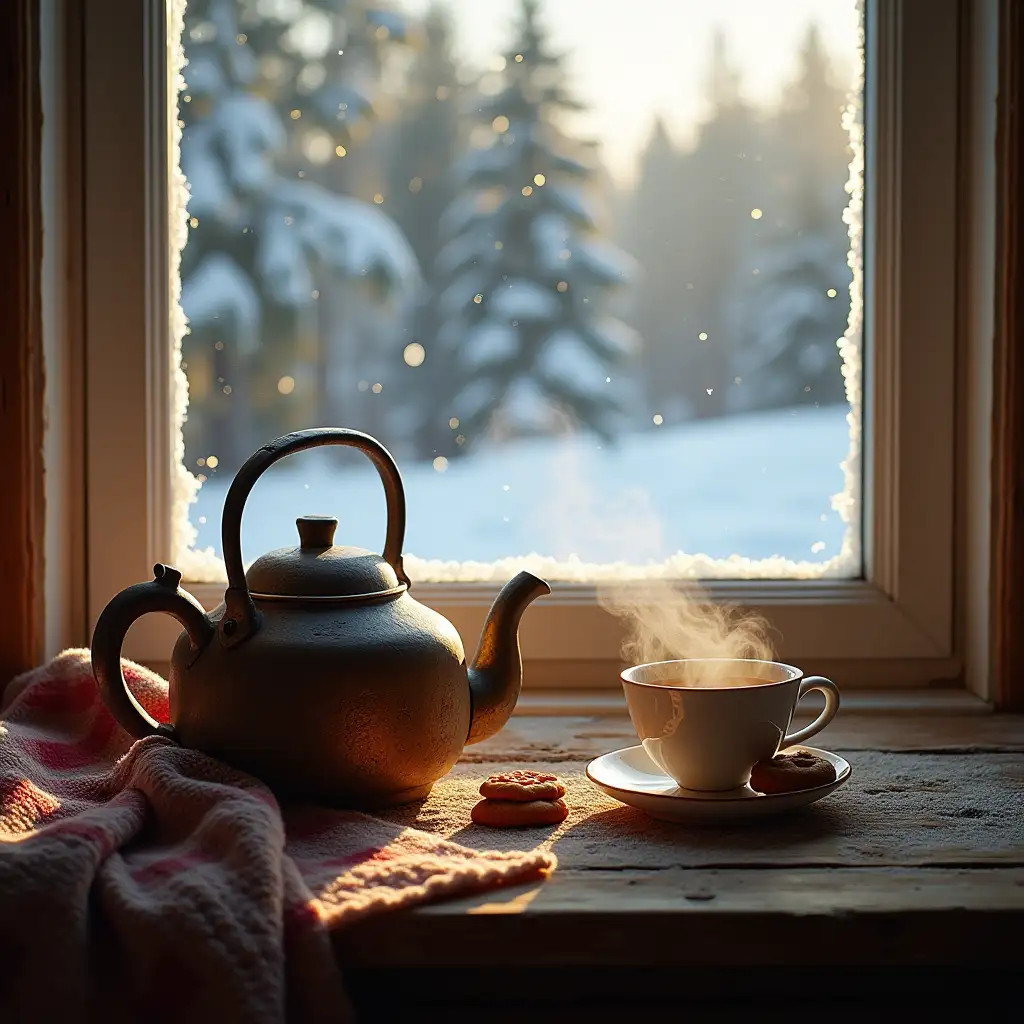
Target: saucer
[630,776]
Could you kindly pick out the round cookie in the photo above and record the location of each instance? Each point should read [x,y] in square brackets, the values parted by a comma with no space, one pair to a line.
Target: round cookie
[517,813]
[523,785]
[786,773]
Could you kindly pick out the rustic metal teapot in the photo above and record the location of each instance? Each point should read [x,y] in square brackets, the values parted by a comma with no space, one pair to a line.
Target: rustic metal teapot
[319,672]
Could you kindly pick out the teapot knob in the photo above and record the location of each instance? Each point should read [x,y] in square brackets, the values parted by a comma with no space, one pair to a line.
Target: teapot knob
[316,531]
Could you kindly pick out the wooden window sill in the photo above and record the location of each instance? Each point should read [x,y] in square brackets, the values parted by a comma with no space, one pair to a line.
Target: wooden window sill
[919,860]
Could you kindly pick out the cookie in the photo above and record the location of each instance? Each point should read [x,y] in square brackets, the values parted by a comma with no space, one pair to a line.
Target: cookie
[516,813]
[522,785]
[785,773]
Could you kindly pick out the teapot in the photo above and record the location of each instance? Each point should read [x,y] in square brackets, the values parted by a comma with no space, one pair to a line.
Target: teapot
[319,672]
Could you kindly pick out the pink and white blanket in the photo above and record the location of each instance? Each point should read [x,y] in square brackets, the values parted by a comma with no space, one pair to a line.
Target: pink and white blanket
[143,881]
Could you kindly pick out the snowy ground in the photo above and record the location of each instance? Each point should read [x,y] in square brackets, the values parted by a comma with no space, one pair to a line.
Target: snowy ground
[755,485]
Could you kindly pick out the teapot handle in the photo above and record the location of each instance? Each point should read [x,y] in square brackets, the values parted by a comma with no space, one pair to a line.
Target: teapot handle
[240,617]
[161,594]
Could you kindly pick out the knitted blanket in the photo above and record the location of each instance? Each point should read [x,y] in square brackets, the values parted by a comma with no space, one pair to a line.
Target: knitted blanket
[144,881]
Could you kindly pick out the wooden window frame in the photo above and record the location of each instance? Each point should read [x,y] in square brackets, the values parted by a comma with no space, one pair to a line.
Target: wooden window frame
[21,341]
[898,626]
[1007,588]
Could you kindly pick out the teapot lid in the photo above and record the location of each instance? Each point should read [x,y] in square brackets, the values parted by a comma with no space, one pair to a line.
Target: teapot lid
[321,571]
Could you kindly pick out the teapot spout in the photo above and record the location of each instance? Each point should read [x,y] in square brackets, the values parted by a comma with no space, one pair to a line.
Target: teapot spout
[496,675]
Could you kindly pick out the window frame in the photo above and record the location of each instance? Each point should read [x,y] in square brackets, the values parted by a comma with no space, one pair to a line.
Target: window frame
[893,627]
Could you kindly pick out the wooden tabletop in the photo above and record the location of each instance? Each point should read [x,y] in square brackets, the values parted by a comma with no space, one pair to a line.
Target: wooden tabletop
[919,860]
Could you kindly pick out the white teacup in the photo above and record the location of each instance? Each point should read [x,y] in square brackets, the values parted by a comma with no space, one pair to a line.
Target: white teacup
[709,737]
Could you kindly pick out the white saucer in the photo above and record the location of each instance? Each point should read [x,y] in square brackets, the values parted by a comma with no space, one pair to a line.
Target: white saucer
[631,776]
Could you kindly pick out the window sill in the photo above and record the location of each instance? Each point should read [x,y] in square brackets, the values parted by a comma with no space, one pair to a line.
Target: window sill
[868,886]
[610,701]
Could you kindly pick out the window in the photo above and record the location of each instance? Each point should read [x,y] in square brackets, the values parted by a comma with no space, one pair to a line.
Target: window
[884,604]
[595,317]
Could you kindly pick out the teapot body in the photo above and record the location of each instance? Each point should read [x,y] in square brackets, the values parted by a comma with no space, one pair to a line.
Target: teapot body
[319,673]
[354,704]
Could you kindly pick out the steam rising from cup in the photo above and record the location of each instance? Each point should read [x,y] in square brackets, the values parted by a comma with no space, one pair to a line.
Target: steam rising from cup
[668,621]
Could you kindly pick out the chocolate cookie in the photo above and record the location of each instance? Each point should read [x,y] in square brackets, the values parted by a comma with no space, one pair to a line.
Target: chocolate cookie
[516,813]
[523,785]
[786,773]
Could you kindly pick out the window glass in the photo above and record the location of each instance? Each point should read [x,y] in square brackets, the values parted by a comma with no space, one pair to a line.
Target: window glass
[585,268]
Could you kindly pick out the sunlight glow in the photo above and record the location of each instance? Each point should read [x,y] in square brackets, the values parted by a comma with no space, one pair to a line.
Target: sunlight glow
[516,905]
[667,68]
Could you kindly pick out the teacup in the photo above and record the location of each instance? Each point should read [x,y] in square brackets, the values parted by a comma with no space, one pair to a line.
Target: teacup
[709,737]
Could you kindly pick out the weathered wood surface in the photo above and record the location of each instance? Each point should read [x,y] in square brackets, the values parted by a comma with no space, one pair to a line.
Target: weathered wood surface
[918,860]
[697,917]
[898,809]
[576,738]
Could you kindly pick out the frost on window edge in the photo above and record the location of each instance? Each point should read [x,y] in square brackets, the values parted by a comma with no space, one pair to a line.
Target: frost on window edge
[195,564]
[205,566]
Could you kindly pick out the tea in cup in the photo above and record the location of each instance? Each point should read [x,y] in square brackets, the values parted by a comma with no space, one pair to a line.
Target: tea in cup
[708,737]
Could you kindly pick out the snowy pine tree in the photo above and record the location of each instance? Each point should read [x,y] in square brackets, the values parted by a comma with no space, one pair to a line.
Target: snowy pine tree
[523,337]
[787,326]
[320,65]
[688,223]
[421,146]
[423,141]
[723,174]
[263,234]
[656,230]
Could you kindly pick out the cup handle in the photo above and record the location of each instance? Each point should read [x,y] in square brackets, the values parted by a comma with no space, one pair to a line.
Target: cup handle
[831,692]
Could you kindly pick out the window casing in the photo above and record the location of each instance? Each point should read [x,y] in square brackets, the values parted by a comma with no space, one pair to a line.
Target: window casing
[894,626]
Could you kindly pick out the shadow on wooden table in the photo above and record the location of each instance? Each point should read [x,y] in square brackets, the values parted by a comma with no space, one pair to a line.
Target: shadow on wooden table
[592,995]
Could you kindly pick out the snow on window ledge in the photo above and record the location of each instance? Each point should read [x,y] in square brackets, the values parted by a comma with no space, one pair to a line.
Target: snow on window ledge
[678,566]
